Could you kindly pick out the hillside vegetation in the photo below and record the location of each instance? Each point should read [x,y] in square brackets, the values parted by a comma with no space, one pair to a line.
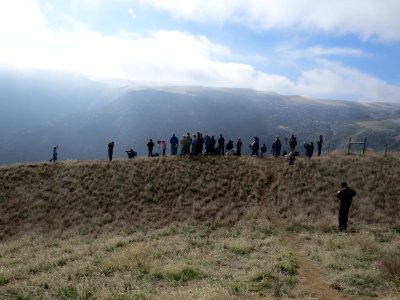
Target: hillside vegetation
[206,228]
[131,116]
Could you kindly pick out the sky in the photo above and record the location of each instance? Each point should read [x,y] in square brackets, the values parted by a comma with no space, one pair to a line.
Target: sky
[342,49]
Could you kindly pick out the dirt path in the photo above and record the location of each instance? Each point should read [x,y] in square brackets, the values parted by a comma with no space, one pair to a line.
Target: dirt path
[313,283]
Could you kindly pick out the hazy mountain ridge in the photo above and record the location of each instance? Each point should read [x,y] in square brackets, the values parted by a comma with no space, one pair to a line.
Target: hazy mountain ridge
[130,115]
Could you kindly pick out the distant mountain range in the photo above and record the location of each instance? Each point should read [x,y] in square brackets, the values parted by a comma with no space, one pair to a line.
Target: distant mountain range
[40,109]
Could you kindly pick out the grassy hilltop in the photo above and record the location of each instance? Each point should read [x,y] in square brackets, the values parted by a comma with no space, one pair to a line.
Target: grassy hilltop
[206,228]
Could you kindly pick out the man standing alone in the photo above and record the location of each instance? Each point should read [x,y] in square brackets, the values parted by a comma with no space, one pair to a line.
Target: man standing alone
[345,194]
[110,150]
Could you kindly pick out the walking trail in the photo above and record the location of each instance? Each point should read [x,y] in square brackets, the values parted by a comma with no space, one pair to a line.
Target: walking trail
[313,283]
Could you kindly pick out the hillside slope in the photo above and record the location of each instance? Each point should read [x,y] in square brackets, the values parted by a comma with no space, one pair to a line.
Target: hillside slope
[206,228]
[140,114]
[124,195]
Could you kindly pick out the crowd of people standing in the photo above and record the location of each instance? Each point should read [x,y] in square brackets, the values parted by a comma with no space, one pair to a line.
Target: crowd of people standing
[199,144]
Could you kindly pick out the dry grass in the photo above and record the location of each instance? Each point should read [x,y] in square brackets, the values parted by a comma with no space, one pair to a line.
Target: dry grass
[306,199]
[143,229]
[171,228]
[176,262]
[94,197]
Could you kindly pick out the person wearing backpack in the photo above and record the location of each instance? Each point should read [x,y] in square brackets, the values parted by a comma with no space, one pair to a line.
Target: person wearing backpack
[309,152]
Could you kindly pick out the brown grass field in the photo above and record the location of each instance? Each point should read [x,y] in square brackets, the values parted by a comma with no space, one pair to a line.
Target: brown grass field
[205,228]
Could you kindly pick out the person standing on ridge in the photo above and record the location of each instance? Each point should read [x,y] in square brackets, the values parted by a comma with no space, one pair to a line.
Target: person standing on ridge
[163,147]
[255,145]
[319,144]
[110,150]
[345,195]
[221,145]
[309,152]
[263,150]
[277,146]
[54,159]
[150,146]
[293,143]
[239,145]
[174,144]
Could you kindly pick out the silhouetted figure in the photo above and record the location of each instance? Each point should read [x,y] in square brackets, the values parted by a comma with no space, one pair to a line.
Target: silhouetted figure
[309,152]
[277,147]
[188,144]
[239,145]
[255,146]
[212,145]
[207,143]
[263,150]
[293,142]
[131,153]
[110,150]
[54,159]
[221,145]
[229,147]
[319,144]
[345,194]
[200,144]
[174,144]
[150,146]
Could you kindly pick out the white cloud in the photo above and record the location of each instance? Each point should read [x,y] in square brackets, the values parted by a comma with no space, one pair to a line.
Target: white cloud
[176,58]
[132,13]
[20,18]
[172,58]
[335,80]
[318,51]
[367,18]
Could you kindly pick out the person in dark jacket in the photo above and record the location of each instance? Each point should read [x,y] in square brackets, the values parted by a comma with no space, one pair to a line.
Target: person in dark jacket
[255,145]
[263,150]
[309,152]
[345,194]
[239,145]
[293,142]
[277,147]
[221,145]
[319,144]
[110,150]
[229,147]
[54,159]
[174,144]
[150,146]
[212,145]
